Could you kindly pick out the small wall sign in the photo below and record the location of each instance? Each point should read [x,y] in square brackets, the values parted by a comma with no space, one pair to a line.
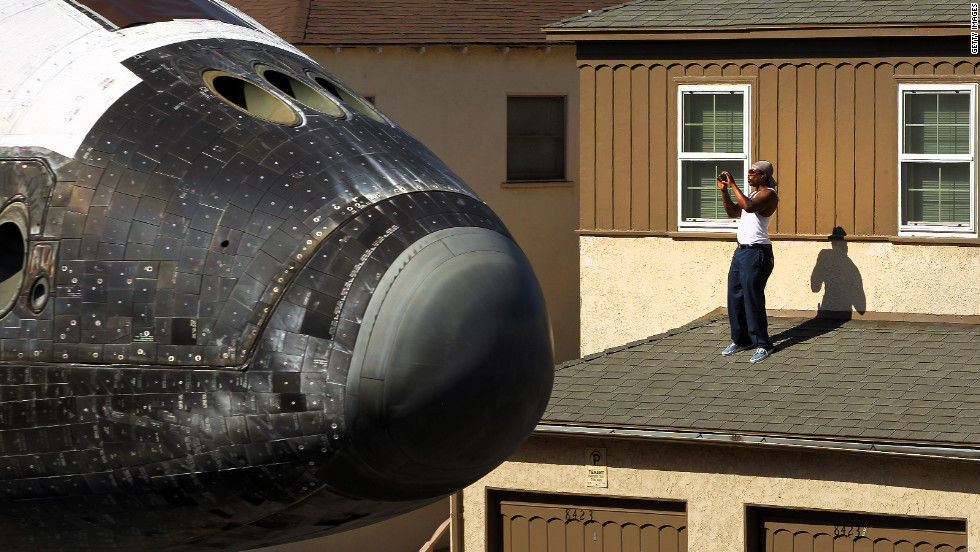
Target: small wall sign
[596,468]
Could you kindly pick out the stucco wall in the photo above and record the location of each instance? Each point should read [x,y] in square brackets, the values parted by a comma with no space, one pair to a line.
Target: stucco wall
[636,287]
[455,102]
[718,482]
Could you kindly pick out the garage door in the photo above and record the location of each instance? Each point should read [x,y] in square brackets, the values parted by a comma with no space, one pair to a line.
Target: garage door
[564,524]
[786,532]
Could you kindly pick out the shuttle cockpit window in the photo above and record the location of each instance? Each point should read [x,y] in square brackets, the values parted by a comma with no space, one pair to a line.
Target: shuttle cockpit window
[354,101]
[251,98]
[300,91]
[13,253]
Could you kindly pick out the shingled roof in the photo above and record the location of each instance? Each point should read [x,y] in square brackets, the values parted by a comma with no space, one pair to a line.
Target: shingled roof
[412,22]
[869,381]
[648,14]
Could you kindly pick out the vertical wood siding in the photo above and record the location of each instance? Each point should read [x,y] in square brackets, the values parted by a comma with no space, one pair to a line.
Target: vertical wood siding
[864,150]
[845,185]
[587,144]
[666,183]
[604,147]
[659,127]
[830,128]
[886,151]
[768,128]
[640,142]
[826,172]
[623,105]
[805,185]
[786,149]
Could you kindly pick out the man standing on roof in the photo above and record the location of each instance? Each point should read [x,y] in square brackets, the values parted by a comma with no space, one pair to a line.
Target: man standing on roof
[752,262]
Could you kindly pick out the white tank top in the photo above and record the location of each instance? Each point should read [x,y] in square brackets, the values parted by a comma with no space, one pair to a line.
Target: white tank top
[752,227]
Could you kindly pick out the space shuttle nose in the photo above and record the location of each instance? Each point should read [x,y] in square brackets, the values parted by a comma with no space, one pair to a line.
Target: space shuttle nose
[451,370]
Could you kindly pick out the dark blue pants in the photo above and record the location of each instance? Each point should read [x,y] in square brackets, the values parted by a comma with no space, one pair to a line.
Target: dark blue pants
[747,297]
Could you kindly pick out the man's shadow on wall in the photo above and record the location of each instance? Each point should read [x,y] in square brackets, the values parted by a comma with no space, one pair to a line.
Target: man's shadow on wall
[843,294]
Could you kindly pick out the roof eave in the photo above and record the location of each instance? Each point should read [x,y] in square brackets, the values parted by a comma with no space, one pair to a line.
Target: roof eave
[474,41]
[943,451]
[577,34]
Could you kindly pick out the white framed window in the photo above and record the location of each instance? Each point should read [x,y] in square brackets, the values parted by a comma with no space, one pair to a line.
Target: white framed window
[936,157]
[712,136]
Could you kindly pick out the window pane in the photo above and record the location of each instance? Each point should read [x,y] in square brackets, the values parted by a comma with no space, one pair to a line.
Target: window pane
[700,197]
[535,158]
[937,123]
[536,138]
[936,193]
[536,115]
[713,122]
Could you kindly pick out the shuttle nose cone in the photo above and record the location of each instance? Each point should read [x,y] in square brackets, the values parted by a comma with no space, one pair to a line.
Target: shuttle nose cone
[452,368]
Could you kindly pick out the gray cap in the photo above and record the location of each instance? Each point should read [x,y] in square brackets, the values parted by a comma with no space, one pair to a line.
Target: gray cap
[765,167]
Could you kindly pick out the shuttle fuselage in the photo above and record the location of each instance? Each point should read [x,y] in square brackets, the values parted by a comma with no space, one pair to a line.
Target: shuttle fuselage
[238,305]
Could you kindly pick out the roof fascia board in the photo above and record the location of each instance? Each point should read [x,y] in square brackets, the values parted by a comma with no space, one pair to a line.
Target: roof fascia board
[716,33]
[961,453]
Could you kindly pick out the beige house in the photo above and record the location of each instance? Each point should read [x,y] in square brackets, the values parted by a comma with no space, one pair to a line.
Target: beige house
[866,109]
[862,430]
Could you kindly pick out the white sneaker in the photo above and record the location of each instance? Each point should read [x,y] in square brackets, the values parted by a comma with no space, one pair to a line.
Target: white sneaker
[760,354]
[733,348]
